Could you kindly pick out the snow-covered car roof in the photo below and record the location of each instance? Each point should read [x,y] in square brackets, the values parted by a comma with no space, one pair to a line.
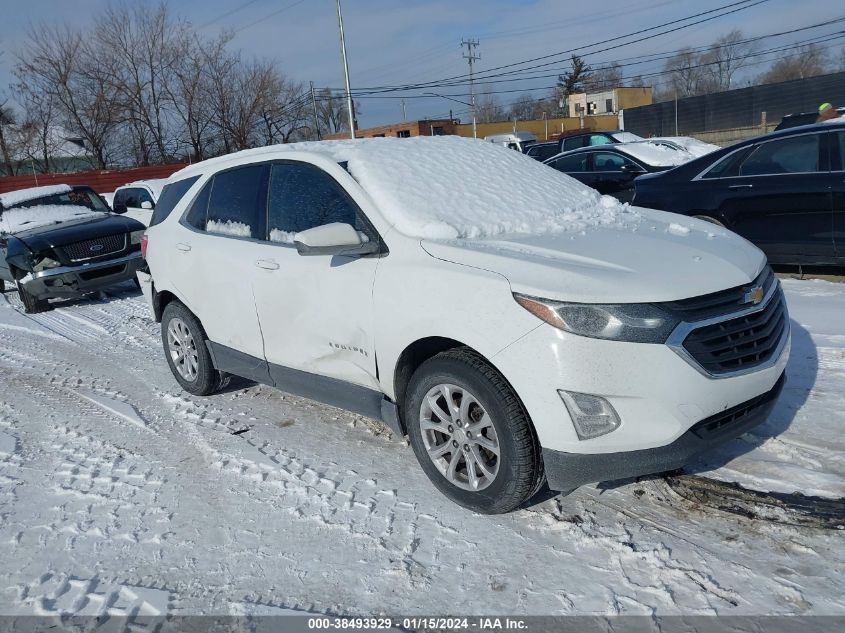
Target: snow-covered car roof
[155,185]
[694,146]
[445,187]
[12,198]
[654,154]
[18,220]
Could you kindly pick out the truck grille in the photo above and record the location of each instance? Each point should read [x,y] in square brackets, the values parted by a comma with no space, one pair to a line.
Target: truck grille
[740,343]
[95,248]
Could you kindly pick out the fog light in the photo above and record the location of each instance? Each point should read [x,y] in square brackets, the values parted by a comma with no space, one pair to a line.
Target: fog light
[592,416]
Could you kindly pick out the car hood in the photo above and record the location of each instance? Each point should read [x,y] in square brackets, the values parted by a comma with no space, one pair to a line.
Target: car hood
[654,256]
[67,232]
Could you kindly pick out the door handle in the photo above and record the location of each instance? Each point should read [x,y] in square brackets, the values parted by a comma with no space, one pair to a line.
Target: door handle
[267,264]
[738,187]
[183,247]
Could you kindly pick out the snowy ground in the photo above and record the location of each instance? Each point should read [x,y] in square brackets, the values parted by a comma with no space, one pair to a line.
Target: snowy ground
[119,492]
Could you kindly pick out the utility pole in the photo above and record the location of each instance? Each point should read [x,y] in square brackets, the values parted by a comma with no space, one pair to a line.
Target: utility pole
[350,108]
[316,120]
[676,112]
[403,109]
[471,57]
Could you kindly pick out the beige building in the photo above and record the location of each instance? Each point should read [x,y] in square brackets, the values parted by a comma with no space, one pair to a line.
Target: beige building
[608,101]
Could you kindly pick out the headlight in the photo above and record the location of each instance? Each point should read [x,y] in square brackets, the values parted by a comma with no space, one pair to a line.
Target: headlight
[633,322]
[40,262]
[135,237]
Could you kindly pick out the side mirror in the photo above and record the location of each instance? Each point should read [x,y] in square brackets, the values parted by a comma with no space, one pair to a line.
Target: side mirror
[119,208]
[147,205]
[334,239]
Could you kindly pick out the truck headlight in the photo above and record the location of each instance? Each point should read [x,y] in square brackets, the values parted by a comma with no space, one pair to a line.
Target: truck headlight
[632,322]
[135,237]
[40,263]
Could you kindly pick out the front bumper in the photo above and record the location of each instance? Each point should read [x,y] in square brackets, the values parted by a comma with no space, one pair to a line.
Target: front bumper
[566,471]
[77,281]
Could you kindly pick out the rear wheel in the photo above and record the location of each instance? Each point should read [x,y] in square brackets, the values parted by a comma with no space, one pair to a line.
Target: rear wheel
[184,346]
[31,305]
[471,434]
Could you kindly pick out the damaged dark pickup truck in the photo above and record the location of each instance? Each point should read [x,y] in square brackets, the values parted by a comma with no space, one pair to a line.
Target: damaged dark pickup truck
[62,241]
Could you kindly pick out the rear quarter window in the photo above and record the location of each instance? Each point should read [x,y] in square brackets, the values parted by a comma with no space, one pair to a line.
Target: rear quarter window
[170,197]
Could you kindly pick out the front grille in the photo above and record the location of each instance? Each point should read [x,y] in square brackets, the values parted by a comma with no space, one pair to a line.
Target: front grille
[740,343]
[725,421]
[719,303]
[88,249]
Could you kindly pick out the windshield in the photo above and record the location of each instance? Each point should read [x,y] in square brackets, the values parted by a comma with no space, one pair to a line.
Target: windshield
[82,197]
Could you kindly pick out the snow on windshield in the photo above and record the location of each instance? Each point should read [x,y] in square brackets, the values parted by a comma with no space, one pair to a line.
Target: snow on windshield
[445,187]
[17,220]
[229,227]
[654,154]
[12,198]
[694,146]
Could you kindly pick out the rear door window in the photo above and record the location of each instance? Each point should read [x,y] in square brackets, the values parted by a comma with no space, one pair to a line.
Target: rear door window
[237,205]
[794,155]
[574,143]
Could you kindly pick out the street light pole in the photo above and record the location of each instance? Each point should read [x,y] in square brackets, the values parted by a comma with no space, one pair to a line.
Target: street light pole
[349,106]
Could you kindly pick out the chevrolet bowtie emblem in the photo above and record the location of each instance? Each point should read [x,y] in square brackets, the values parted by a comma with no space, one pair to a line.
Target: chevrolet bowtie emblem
[753,295]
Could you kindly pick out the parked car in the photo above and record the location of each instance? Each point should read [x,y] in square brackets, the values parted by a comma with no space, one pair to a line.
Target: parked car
[515,334]
[589,139]
[519,141]
[62,241]
[138,199]
[687,144]
[783,191]
[612,169]
[542,151]
[801,118]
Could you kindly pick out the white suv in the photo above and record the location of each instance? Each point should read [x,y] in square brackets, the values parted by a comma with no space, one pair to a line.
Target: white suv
[515,325]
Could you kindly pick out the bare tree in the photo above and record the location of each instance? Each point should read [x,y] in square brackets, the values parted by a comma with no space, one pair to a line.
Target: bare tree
[61,62]
[7,119]
[686,75]
[41,138]
[332,112]
[726,57]
[842,59]
[808,61]
[604,78]
[488,109]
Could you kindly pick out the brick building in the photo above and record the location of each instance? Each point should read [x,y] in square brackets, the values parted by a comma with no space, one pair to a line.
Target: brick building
[429,127]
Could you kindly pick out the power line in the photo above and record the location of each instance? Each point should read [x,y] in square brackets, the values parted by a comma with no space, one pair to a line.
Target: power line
[228,13]
[270,15]
[735,7]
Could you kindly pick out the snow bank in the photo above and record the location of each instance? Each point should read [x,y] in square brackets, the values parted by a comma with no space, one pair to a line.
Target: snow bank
[17,220]
[447,187]
[654,154]
[12,198]
[229,227]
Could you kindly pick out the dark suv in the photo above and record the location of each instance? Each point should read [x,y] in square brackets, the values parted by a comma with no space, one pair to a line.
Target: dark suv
[784,191]
[61,241]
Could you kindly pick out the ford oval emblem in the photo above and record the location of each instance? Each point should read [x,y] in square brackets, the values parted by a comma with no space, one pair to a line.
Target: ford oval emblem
[95,248]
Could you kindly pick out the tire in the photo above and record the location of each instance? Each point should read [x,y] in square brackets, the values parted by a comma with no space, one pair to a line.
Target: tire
[493,484]
[31,305]
[710,219]
[184,340]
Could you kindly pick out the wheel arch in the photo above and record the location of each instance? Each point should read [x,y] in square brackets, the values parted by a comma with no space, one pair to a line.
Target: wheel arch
[421,350]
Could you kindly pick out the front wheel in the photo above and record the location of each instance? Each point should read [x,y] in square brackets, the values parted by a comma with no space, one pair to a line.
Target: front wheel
[185,348]
[471,434]
[31,305]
